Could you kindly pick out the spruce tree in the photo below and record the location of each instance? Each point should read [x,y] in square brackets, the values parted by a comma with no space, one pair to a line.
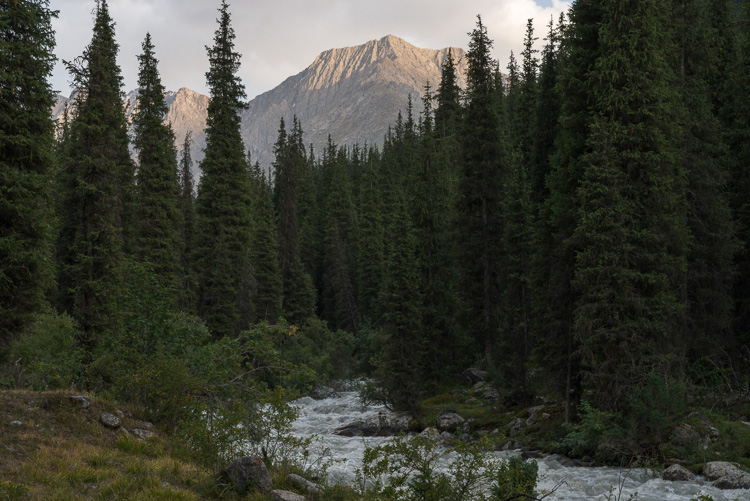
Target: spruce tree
[631,234]
[448,97]
[26,162]
[482,158]
[158,217]
[186,206]
[298,292]
[98,184]
[580,48]
[223,208]
[400,361]
[713,244]
[266,294]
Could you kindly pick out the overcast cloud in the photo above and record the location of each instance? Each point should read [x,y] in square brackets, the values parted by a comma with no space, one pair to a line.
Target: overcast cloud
[280,38]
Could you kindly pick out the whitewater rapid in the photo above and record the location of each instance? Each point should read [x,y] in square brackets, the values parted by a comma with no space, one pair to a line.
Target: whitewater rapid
[321,417]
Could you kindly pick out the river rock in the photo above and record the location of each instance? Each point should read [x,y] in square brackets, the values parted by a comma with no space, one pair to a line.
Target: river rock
[449,421]
[677,473]
[249,472]
[80,401]
[323,392]
[110,421]
[303,483]
[279,495]
[726,475]
[382,425]
[471,376]
[564,460]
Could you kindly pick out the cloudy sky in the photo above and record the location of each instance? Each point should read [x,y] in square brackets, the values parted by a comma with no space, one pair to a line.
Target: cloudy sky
[280,38]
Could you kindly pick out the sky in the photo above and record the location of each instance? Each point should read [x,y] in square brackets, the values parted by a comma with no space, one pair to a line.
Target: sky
[280,38]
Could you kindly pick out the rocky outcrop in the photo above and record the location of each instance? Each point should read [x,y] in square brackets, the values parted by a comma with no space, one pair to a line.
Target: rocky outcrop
[80,401]
[249,472]
[726,475]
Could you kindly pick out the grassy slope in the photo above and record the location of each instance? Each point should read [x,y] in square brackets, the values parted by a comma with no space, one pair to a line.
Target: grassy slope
[63,452]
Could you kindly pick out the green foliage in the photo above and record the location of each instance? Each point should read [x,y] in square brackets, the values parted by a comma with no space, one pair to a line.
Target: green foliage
[407,468]
[516,478]
[47,354]
[330,354]
[591,436]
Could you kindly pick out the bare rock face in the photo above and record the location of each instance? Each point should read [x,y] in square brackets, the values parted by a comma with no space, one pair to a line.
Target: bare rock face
[353,93]
[249,472]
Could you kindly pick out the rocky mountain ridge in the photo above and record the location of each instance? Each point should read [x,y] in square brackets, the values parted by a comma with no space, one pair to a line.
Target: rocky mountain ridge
[351,93]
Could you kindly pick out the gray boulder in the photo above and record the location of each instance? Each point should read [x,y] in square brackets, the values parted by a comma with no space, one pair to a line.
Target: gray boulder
[677,473]
[303,484]
[726,475]
[449,421]
[279,495]
[532,419]
[249,472]
[323,392]
[110,421]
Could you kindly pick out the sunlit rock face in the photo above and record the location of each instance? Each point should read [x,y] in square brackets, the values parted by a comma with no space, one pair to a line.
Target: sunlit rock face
[352,93]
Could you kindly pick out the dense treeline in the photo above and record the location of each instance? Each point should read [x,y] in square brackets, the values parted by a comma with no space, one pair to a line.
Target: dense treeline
[576,225]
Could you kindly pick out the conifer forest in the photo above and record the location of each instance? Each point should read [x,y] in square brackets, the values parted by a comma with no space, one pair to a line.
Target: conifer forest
[576,225]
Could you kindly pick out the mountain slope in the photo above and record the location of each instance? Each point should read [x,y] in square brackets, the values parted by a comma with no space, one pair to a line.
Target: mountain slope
[352,93]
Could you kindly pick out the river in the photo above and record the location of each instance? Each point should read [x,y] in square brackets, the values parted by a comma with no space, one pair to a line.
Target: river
[321,417]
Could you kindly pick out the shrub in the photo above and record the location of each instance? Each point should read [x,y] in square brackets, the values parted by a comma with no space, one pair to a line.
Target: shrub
[47,355]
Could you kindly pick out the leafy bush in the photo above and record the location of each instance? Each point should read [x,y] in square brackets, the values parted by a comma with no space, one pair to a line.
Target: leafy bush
[591,437]
[516,478]
[47,355]
[409,468]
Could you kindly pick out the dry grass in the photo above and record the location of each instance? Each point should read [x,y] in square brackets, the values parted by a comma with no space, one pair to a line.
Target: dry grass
[62,452]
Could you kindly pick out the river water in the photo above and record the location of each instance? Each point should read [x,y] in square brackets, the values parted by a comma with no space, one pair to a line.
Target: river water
[321,417]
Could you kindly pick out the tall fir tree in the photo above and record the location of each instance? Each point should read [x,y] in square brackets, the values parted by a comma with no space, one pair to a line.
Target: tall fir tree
[631,233]
[480,187]
[99,184]
[735,114]
[223,207]
[713,244]
[26,162]
[580,48]
[267,289]
[157,238]
[399,365]
[186,206]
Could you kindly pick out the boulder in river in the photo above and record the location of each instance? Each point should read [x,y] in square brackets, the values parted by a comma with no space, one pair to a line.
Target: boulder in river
[726,475]
[383,425]
[249,472]
[677,473]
